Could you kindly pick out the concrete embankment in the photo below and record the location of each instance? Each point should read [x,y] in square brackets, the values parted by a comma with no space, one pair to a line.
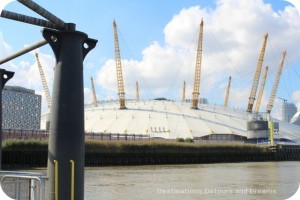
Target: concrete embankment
[18,153]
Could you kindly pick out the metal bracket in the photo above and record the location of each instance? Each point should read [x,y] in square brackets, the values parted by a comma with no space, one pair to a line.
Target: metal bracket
[5,76]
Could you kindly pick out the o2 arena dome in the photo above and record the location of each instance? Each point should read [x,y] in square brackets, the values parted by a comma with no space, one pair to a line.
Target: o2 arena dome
[162,118]
[194,118]
[170,120]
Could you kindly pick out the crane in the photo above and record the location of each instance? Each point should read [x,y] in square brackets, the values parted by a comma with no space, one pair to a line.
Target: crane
[137,91]
[257,75]
[95,102]
[120,82]
[284,100]
[227,92]
[195,98]
[261,90]
[44,81]
[276,83]
[183,92]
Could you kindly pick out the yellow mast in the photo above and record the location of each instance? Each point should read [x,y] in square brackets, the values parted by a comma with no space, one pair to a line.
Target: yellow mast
[227,92]
[94,93]
[261,90]
[257,75]
[195,93]
[183,92]
[121,92]
[137,92]
[44,82]
[276,83]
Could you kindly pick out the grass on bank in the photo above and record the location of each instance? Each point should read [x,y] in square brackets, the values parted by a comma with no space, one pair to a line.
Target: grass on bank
[24,145]
[141,147]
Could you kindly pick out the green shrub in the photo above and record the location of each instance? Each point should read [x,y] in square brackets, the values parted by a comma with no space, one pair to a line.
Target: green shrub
[24,145]
[188,140]
[179,140]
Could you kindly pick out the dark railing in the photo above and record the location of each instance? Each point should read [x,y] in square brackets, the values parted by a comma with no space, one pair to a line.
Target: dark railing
[17,134]
[23,134]
[116,136]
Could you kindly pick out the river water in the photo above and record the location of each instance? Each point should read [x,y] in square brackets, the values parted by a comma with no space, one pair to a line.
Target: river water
[258,180]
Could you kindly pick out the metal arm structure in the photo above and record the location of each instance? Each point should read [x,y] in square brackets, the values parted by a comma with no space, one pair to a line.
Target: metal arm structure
[95,102]
[276,83]
[227,93]
[54,22]
[137,91]
[23,51]
[195,93]
[119,69]
[261,90]
[183,92]
[257,75]
[44,82]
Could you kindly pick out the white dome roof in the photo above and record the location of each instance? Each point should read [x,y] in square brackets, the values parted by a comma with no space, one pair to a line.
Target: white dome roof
[170,120]
[296,119]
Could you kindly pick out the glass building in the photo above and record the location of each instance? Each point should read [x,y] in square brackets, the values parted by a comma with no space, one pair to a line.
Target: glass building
[288,111]
[21,108]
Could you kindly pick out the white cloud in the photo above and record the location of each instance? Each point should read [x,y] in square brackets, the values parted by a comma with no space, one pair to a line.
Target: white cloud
[233,35]
[157,62]
[4,47]
[180,31]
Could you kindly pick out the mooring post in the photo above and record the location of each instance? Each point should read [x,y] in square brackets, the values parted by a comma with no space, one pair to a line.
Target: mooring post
[5,76]
[66,139]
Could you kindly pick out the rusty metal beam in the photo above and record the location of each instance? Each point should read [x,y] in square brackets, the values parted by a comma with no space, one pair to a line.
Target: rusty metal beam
[23,51]
[44,13]
[27,19]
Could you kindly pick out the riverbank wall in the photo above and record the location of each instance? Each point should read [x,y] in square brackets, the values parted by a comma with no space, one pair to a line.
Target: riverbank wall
[18,153]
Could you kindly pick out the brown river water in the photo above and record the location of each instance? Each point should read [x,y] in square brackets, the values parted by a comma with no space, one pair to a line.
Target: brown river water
[258,180]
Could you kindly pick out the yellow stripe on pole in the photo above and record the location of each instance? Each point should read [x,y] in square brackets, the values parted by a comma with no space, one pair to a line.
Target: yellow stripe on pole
[56,179]
[72,179]
[271,132]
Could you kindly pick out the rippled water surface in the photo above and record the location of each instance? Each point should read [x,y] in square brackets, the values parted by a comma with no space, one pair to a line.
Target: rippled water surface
[260,180]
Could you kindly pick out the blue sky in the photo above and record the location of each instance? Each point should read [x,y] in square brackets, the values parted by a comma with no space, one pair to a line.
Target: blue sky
[158,43]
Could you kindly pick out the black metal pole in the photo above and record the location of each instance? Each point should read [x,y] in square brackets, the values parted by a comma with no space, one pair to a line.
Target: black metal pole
[43,12]
[27,19]
[23,51]
[66,140]
[5,76]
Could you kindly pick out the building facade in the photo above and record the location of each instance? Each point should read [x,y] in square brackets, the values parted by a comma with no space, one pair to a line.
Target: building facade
[288,111]
[21,108]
